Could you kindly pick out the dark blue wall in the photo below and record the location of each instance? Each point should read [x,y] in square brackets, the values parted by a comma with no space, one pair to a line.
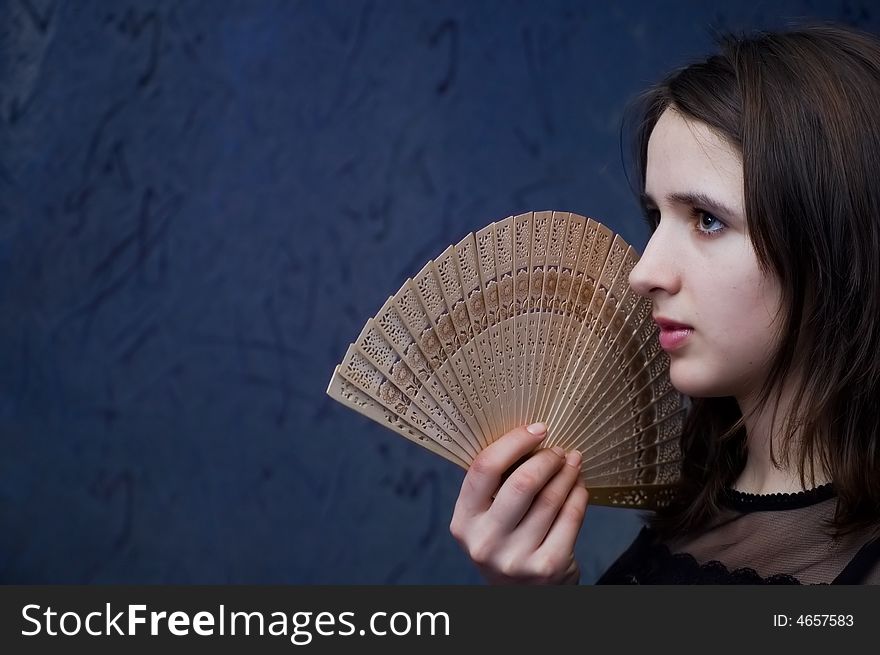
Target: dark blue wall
[200,205]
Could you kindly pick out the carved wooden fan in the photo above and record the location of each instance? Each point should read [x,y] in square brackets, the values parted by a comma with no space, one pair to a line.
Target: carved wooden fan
[530,319]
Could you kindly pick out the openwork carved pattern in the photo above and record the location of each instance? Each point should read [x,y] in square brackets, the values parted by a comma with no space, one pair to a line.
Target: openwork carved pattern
[530,318]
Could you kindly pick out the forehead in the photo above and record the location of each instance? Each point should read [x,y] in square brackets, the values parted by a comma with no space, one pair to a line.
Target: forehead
[686,156]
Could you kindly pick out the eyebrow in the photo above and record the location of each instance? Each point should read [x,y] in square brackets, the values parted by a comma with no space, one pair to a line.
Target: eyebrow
[692,198]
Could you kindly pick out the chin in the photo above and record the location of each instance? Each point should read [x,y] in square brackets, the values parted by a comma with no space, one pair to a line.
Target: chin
[695,380]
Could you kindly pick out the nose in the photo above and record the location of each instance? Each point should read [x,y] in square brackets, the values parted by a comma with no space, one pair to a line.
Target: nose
[656,271]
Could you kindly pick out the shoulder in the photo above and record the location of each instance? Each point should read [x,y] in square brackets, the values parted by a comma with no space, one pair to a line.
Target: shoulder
[864,567]
[873,574]
[626,569]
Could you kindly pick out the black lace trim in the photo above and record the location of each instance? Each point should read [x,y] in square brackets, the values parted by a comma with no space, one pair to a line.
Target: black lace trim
[649,562]
[684,567]
[746,502]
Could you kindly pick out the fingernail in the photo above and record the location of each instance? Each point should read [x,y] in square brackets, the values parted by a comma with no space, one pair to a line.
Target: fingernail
[559,451]
[574,458]
[537,428]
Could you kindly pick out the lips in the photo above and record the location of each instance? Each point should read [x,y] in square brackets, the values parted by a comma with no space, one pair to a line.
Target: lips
[672,333]
[668,324]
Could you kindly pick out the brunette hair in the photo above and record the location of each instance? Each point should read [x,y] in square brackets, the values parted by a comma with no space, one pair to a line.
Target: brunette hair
[802,107]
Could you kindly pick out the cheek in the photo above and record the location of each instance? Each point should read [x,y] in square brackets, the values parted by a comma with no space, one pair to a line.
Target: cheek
[735,341]
[749,317]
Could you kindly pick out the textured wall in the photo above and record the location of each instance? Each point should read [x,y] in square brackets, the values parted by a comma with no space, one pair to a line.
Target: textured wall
[200,205]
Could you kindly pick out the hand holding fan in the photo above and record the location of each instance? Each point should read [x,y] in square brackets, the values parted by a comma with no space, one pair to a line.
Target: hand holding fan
[529,319]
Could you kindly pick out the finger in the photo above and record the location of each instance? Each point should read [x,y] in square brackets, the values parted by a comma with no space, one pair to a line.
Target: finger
[515,497]
[484,474]
[563,533]
[544,510]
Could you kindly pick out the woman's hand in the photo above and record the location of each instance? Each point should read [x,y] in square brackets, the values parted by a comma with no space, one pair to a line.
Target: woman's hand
[528,532]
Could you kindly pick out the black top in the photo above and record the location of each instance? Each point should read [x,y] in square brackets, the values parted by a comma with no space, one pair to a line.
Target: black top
[757,539]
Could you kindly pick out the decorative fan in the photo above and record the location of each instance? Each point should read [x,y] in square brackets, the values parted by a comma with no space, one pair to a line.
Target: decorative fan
[530,319]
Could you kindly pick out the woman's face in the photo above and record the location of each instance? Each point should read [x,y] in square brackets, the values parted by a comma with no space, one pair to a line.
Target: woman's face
[699,268]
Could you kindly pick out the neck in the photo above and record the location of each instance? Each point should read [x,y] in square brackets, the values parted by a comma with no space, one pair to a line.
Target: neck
[760,475]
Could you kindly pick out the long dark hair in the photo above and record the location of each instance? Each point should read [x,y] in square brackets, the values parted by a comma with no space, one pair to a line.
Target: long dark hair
[802,107]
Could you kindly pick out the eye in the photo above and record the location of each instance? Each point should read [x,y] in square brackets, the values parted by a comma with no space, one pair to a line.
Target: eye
[705,222]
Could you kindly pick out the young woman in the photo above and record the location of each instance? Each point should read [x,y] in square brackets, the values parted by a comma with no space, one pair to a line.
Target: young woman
[758,172]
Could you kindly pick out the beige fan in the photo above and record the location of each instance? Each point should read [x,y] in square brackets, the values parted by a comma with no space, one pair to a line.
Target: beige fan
[530,319]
